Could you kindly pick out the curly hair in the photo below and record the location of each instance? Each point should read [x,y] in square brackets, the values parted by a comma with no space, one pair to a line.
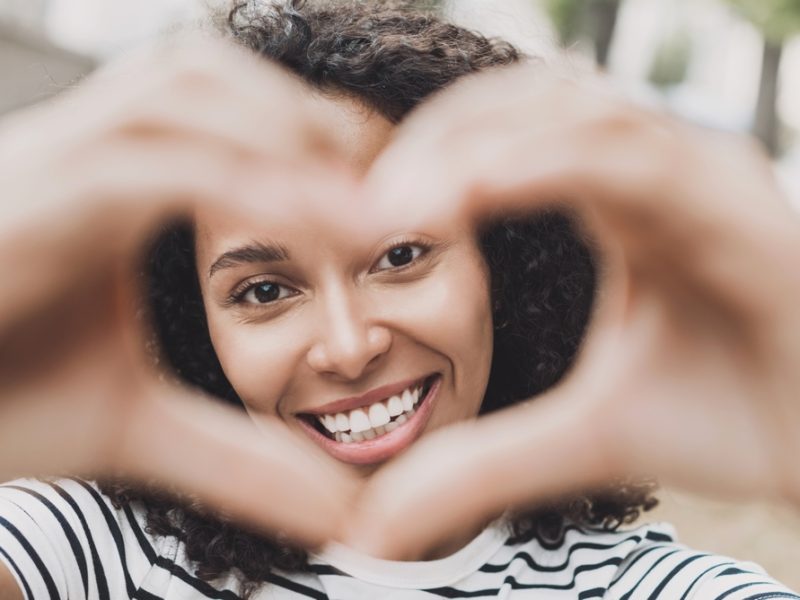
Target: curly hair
[392,56]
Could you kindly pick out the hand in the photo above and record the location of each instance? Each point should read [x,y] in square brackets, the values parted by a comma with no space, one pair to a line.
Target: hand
[85,180]
[689,370]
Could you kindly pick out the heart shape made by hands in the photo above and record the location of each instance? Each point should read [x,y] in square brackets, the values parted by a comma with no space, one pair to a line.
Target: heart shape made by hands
[683,374]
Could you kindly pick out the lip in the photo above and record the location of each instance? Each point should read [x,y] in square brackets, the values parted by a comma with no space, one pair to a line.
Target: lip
[386,446]
[371,397]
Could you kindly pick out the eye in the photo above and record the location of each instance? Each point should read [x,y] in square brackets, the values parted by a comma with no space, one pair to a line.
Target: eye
[264,292]
[399,256]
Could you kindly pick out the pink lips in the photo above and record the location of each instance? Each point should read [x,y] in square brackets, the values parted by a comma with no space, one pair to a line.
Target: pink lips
[381,393]
[382,447]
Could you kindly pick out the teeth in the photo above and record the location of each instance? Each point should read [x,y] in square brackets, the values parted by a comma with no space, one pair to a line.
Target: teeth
[342,422]
[378,419]
[378,415]
[408,400]
[395,406]
[359,421]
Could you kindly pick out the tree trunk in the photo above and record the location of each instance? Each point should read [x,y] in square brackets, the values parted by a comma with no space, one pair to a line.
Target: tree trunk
[602,23]
[766,126]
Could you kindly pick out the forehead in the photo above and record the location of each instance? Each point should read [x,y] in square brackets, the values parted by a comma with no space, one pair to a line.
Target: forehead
[362,133]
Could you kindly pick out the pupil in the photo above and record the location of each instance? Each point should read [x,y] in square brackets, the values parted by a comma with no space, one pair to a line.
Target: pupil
[401,256]
[267,292]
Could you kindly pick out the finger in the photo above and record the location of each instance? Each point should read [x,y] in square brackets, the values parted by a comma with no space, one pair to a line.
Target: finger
[200,85]
[92,217]
[462,477]
[612,162]
[263,477]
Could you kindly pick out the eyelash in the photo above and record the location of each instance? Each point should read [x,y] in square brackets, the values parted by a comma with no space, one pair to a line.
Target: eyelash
[238,295]
[423,248]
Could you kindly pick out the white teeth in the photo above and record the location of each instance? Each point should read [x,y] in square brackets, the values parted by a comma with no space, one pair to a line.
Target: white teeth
[378,415]
[342,422]
[408,400]
[359,421]
[379,418]
[395,406]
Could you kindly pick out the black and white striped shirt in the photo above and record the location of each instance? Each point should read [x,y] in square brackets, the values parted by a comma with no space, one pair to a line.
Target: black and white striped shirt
[64,539]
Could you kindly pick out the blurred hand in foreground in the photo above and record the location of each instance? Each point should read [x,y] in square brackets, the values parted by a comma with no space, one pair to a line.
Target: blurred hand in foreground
[687,373]
[85,180]
[690,369]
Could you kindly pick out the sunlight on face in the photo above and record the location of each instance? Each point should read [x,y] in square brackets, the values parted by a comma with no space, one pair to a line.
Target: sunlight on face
[363,345]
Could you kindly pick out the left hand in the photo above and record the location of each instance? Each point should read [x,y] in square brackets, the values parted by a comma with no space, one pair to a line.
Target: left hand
[689,370]
[87,179]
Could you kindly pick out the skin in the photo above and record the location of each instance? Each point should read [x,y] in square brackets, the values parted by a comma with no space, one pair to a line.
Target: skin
[699,322]
[347,321]
[689,369]
[129,148]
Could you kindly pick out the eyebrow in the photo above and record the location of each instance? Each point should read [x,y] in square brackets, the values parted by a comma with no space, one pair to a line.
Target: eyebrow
[252,253]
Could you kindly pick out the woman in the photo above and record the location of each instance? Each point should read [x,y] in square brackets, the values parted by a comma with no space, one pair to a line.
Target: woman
[370,343]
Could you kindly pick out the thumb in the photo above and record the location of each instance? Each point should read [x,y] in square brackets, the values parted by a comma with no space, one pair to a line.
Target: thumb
[262,476]
[463,476]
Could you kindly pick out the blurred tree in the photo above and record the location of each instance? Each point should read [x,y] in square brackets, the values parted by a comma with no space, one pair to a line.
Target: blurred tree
[593,19]
[672,59]
[777,20]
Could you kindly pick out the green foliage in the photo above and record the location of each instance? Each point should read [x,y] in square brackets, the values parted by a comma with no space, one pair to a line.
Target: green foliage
[567,17]
[777,19]
[574,19]
[672,60]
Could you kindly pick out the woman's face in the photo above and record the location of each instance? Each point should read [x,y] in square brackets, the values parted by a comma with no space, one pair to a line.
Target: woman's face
[363,345]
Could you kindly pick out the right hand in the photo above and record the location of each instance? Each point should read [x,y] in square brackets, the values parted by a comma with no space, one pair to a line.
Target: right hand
[689,370]
[85,179]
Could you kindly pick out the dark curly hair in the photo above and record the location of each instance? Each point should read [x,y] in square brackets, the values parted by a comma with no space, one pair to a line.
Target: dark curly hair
[392,56]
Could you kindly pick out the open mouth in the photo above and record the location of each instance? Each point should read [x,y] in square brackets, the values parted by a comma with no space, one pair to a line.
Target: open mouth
[378,419]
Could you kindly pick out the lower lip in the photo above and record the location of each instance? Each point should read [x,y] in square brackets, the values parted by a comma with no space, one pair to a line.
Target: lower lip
[383,447]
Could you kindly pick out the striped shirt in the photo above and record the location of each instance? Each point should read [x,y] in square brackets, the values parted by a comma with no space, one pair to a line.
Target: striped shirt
[64,539]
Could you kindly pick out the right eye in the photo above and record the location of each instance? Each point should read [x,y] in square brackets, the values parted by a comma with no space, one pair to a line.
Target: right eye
[264,292]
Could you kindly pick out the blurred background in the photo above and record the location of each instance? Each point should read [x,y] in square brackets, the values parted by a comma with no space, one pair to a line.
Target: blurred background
[732,65]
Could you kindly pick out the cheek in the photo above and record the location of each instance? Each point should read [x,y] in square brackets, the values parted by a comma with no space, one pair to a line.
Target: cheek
[451,313]
[258,361]
[465,313]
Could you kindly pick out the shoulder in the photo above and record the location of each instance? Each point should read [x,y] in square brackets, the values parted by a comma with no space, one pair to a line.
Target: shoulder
[64,538]
[660,567]
[642,562]
[73,508]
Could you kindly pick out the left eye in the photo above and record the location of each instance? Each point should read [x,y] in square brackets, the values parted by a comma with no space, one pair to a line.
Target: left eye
[265,292]
[399,256]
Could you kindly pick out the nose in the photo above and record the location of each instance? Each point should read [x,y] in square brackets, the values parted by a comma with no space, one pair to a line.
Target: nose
[348,342]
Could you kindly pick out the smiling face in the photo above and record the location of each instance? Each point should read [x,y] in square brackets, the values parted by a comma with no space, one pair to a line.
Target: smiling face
[363,345]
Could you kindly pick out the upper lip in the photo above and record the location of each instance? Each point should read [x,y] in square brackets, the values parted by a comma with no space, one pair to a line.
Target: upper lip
[371,397]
